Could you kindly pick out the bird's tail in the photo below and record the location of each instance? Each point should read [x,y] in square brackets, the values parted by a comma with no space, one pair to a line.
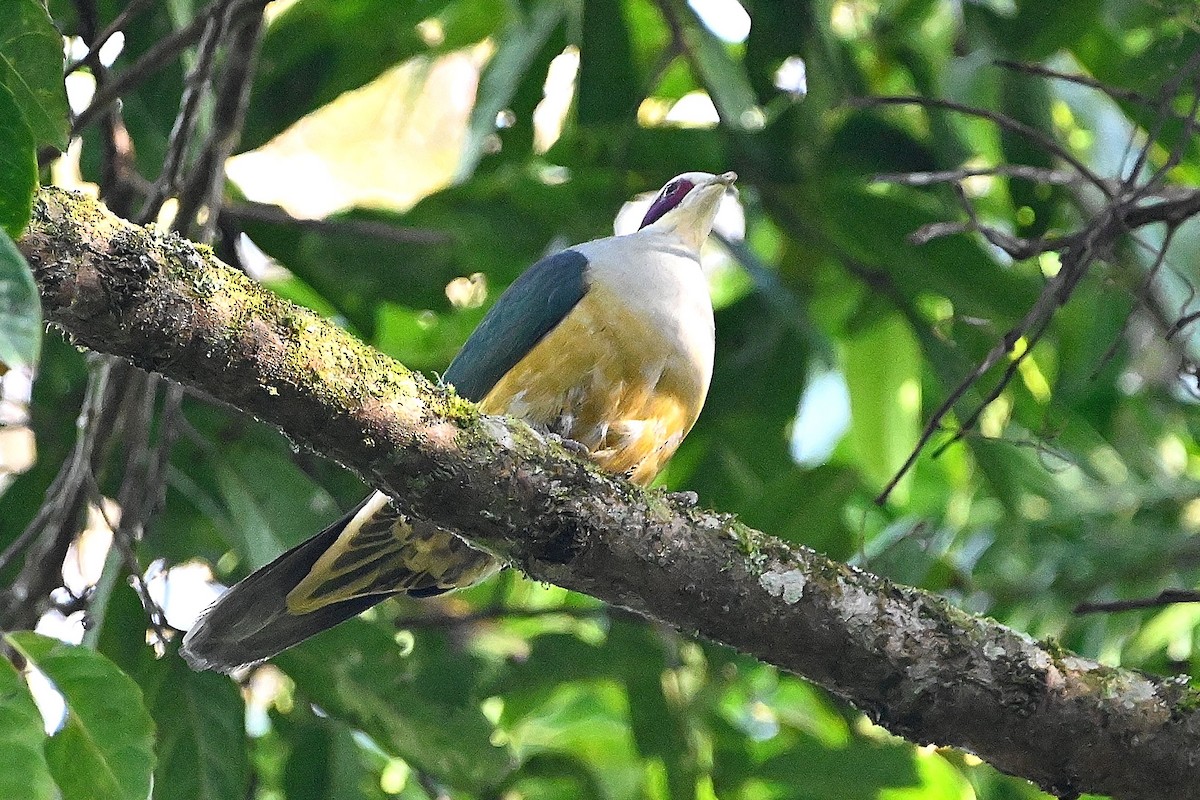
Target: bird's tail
[366,556]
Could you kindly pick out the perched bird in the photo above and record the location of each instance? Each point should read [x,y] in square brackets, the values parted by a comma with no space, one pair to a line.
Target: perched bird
[608,344]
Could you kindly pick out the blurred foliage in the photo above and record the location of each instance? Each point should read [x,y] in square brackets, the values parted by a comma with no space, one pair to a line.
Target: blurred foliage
[1080,482]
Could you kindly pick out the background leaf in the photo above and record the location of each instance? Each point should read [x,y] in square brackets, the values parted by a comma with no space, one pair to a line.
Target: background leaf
[31,69]
[412,707]
[18,167]
[23,770]
[105,747]
[20,309]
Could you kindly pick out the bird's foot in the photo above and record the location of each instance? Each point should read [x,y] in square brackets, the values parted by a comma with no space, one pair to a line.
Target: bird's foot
[573,447]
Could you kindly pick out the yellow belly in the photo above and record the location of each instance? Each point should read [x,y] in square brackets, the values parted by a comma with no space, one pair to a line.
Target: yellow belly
[606,379]
[609,381]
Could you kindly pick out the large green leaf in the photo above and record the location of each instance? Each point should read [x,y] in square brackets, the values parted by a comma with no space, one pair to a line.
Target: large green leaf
[882,366]
[105,748]
[20,310]
[31,68]
[18,167]
[864,771]
[660,727]
[200,719]
[418,708]
[1039,29]
[23,770]
[315,51]
[324,759]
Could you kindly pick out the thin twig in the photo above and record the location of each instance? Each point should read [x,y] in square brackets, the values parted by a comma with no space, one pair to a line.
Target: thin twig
[158,617]
[1175,156]
[162,53]
[1053,177]
[1164,598]
[51,531]
[1039,138]
[384,231]
[205,190]
[1114,92]
[194,90]
[1165,99]
[91,59]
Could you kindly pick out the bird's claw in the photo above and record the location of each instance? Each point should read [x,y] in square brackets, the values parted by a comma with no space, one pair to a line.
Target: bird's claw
[570,445]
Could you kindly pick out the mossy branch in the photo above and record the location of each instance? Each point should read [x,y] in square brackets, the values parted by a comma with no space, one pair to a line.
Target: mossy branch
[913,662]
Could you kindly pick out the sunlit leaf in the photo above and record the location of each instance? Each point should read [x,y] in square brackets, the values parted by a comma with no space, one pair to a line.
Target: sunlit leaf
[23,770]
[724,76]
[882,370]
[105,746]
[518,47]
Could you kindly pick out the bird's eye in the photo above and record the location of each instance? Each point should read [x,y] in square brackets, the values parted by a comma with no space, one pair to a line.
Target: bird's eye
[671,196]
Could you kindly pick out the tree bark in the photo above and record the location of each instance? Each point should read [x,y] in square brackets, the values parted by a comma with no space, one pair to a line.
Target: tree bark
[917,665]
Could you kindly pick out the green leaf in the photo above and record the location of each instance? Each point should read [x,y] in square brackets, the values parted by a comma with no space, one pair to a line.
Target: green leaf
[105,747]
[608,85]
[272,504]
[23,770]
[315,51]
[356,673]
[324,760]
[31,68]
[658,726]
[518,48]
[882,368]
[20,310]
[200,719]
[18,167]
[861,771]
[1040,29]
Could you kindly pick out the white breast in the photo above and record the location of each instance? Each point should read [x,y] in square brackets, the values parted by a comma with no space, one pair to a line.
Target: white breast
[658,279]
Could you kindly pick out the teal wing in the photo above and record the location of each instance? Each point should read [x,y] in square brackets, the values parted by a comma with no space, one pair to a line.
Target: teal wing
[528,310]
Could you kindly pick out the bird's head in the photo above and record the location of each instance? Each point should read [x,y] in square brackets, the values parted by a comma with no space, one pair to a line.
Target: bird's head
[687,205]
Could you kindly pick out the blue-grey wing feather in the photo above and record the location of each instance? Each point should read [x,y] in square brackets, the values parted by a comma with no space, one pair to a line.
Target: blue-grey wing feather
[529,309]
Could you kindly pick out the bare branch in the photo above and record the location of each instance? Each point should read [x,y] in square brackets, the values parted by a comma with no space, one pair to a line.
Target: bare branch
[1122,214]
[1052,177]
[1039,138]
[384,231]
[1164,598]
[91,58]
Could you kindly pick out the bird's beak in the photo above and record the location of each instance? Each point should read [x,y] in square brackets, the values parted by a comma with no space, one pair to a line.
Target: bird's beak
[726,179]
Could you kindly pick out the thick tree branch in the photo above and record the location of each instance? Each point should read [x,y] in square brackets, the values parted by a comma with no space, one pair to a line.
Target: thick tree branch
[919,666]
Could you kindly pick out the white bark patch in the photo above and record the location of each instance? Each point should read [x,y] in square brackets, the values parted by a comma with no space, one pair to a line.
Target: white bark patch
[788,584]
